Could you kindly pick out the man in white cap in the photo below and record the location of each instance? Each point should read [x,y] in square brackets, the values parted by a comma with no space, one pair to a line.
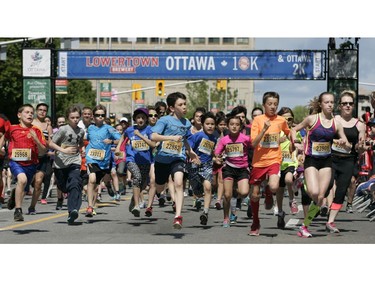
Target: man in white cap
[124,122]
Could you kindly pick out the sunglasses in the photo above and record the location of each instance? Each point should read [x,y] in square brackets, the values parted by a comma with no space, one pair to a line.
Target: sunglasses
[162,113]
[152,115]
[347,103]
[289,119]
[99,115]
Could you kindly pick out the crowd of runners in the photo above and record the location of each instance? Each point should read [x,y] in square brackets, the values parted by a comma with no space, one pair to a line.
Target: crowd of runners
[223,160]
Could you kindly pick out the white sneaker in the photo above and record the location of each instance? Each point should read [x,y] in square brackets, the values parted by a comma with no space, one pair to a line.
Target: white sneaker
[275,210]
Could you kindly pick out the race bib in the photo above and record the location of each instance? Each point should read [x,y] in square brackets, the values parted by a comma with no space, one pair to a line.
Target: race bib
[140,145]
[96,154]
[287,156]
[206,146]
[234,150]
[339,148]
[21,154]
[270,141]
[321,148]
[172,147]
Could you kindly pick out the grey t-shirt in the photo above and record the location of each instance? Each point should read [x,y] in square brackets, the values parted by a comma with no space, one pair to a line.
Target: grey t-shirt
[67,136]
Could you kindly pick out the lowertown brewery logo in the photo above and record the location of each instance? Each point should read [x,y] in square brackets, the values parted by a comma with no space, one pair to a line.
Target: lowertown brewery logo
[37,58]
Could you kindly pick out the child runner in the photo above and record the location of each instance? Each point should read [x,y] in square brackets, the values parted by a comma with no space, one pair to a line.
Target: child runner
[321,129]
[140,158]
[265,133]
[200,176]
[67,143]
[288,167]
[234,147]
[26,141]
[98,153]
[218,185]
[171,131]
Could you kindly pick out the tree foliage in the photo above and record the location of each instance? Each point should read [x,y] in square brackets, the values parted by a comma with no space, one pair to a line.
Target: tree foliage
[197,94]
[11,80]
[80,93]
[300,112]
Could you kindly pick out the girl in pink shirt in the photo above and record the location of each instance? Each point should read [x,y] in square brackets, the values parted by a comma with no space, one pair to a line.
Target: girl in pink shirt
[232,149]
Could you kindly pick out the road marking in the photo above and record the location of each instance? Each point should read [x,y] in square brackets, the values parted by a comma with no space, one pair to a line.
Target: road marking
[292,223]
[21,224]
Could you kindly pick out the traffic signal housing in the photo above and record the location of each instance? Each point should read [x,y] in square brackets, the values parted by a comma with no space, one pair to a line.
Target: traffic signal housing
[160,88]
[221,85]
[136,95]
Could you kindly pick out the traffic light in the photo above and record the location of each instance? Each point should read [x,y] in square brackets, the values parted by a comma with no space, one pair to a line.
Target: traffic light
[160,88]
[136,95]
[221,85]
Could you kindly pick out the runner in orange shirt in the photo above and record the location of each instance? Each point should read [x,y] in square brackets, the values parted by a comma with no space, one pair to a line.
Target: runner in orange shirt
[265,134]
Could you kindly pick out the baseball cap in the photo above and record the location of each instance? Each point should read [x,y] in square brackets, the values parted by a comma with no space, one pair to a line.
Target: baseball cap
[124,119]
[140,110]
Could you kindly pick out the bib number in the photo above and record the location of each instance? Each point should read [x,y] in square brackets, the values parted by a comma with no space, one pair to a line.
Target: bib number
[21,154]
[96,154]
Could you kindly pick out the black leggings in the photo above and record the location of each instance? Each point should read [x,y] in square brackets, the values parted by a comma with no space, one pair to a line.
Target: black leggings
[343,168]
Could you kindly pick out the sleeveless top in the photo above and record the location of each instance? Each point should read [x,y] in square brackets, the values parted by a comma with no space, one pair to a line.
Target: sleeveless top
[319,138]
[351,134]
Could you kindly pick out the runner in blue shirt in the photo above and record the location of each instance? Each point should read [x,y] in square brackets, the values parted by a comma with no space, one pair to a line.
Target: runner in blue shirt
[98,153]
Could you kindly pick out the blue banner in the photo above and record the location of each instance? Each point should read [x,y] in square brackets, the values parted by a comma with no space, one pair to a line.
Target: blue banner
[256,65]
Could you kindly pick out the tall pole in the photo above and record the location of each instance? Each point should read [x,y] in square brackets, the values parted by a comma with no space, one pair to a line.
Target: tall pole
[97,81]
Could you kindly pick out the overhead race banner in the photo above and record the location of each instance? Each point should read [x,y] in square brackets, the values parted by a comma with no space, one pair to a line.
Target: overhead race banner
[256,65]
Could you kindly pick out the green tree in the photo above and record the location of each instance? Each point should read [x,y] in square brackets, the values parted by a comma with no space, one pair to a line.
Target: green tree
[300,112]
[197,94]
[11,75]
[80,93]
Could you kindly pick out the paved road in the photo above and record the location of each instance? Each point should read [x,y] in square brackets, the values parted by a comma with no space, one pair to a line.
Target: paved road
[115,225]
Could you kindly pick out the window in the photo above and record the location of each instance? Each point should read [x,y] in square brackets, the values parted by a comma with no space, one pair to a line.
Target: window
[142,40]
[154,40]
[214,40]
[228,41]
[243,41]
[170,40]
[184,40]
[200,40]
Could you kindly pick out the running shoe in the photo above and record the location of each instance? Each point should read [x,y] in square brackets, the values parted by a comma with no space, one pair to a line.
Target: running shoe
[226,223]
[12,200]
[73,215]
[43,201]
[233,218]
[131,204]
[89,211]
[177,222]
[218,205]
[204,218]
[18,215]
[304,232]
[198,204]
[349,208]
[118,197]
[324,211]
[161,201]
[275,210]
[254,229]
[148,212]
[246,201]
[94,212]
[31,211]
[136,211]
[110,191]
[293,207]
[331,227]
[99,198]
[280,220]
[59,204]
